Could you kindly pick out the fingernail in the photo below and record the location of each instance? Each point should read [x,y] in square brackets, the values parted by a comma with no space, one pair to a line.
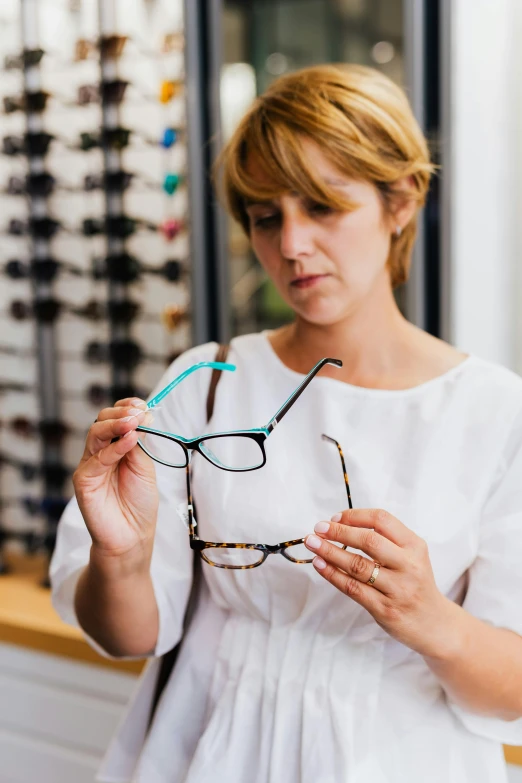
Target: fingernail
[319,563]
[313,542]
[139,403]
[336,518]
[322,527]
[136,412]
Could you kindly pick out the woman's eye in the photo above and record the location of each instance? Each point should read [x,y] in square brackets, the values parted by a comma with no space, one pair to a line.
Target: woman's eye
[320,209]
[266,221]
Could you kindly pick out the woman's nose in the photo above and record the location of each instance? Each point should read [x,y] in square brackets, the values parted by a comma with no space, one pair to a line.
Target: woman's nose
[296,237]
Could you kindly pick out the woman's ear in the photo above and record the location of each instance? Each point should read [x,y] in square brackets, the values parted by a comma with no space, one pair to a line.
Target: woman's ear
[403,203]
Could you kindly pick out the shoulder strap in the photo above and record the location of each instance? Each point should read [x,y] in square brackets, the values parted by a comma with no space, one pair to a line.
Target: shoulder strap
[221,356]
[169,659]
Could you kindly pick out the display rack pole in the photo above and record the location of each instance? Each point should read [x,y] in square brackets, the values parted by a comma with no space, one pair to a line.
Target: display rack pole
[209,262]
[46,338]
[114,203]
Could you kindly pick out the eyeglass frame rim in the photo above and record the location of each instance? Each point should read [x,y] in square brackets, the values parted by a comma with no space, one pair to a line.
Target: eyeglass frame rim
[259,436]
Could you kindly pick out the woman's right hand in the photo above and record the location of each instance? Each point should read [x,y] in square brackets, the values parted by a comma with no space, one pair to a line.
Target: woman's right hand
[115,483]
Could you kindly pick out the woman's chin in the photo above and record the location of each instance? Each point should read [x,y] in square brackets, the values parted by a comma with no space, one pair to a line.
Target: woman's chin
[319,316]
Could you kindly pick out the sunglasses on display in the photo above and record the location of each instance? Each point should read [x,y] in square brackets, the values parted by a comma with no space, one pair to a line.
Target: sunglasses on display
[111,47]
[122,227]
[98,395]
[243,556]
[43,184]
[95,394]
[117,181]
[123,354]
[28,58]
[31,102]
[124,268]
[28,471]
[52,431]
[49,310]
[50,507]
[118,138]
[34,144]
[112,92]
[108,92]
[32,185]
[13,386]
[235,451]
[44,270]
[42,228]
[31,542]
[112,138]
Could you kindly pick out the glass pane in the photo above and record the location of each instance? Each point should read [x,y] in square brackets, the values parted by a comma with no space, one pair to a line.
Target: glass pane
[263,39]
[225,556]
[233,452]
[163,449]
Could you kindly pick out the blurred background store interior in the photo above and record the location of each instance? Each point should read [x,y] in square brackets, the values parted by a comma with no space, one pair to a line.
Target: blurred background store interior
[115,256]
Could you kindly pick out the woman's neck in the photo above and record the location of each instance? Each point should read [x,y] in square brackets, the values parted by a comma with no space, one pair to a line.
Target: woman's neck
[378,350]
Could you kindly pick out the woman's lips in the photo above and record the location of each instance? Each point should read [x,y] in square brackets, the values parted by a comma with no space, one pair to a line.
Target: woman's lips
[307,281]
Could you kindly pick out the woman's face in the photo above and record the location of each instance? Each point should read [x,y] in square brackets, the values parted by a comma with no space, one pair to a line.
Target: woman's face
[324,263]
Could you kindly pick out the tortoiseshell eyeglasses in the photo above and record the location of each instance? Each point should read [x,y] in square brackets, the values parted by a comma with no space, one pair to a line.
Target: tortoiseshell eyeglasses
[243,556]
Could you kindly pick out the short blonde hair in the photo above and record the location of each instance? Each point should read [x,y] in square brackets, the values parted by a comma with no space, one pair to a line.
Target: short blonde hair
[363,123]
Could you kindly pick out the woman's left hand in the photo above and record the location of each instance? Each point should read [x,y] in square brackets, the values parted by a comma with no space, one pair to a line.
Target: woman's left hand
[404,599]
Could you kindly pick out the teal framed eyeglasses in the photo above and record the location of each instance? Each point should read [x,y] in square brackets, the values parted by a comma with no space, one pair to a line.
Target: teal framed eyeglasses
[237,450]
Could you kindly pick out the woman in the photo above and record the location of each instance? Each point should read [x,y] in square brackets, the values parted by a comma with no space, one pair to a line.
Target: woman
[398,658]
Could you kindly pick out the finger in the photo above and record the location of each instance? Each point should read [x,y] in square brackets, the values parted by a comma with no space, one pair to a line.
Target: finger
[355,565]
[103,460]
[379,520]
[367,540]
[363,594]
[118,411]
[103,432]
[131,402]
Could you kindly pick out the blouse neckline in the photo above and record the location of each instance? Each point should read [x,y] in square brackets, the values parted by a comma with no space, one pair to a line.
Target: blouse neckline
[363,390]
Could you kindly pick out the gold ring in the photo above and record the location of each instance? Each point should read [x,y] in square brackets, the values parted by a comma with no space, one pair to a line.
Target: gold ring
[375,573]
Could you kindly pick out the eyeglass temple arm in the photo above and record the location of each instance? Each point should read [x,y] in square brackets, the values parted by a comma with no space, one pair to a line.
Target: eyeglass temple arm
[300,389]
[172,385]
[192,522]
[345,474]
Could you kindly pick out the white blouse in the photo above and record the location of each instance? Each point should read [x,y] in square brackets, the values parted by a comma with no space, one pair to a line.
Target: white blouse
[281,678]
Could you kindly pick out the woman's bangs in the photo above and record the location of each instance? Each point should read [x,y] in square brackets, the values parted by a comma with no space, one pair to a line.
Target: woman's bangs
[275,151]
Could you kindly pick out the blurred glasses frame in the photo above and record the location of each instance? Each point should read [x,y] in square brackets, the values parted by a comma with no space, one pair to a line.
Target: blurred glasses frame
[200,546]
[257,434]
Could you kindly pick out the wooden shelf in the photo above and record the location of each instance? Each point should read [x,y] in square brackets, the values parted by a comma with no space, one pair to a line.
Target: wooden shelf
[513,755]
[28,619]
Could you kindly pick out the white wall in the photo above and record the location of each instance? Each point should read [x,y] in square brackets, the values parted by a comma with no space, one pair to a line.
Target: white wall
[514,774]
[57,716]
[486,98]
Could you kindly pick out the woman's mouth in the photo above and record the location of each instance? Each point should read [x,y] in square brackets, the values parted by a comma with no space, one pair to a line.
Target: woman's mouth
[306,281]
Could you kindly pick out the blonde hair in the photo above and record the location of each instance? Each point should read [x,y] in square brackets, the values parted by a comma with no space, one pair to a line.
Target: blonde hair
[363,123]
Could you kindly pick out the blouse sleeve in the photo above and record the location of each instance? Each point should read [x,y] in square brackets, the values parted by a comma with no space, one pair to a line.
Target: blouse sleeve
[171,565]
[494,591]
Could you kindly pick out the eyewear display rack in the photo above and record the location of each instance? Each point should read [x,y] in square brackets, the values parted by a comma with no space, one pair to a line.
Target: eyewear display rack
[107,209]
